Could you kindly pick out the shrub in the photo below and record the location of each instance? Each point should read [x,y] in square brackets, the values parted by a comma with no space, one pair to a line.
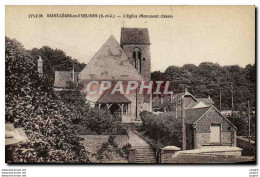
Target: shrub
[109,152]
[164,128]
[31,104]
[98,121]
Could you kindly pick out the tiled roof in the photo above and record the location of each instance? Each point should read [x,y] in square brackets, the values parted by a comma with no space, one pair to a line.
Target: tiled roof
[192,115]
[62,77]
[108,97]
[134,36]
[207,101]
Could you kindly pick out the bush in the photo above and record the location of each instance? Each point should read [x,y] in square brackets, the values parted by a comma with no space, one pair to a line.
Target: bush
[101,122]
[109,152]
[31,105]
[90,120]
[164,129]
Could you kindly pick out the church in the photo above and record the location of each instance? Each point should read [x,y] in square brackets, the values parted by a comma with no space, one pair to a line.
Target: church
[128,61]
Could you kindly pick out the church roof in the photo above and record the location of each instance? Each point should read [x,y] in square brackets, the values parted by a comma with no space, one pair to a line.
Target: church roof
[134,36]
[108,97]
[110,63]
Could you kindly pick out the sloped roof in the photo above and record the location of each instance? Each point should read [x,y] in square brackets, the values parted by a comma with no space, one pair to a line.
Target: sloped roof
[62,77]
[134,36]
[192,115]
[110,62]
[177,96]
[199,104]
[108,97]
[207,101]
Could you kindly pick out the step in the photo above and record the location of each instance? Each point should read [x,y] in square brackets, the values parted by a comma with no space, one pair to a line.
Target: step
[145,158]
[147,155]
[144,152]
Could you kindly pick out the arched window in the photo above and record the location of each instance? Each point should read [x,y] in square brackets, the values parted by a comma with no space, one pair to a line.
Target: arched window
[137,55]
[140,61]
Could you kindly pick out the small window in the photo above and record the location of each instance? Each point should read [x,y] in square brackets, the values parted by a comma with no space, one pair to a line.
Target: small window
[139,54]
[134,54]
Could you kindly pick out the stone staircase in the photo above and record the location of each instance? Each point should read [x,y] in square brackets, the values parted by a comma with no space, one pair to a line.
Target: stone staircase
[144,154]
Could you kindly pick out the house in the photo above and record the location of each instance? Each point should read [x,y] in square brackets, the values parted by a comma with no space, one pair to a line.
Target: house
[128,61]
[62,78]
[174,101]
[208,127]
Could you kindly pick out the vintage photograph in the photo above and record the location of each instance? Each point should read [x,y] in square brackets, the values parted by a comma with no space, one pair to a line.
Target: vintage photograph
[130,85]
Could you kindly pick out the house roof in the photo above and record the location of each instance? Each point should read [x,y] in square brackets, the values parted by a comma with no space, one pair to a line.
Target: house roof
[62,77]
[108,97]
[176,97]
[134,36]
[192,115]
[199,104]
[207,101]
[110,63]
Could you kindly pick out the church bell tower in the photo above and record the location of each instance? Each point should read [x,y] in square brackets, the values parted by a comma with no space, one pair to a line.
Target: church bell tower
[135,42]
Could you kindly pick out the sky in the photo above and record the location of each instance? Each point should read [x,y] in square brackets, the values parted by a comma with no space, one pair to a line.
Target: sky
[218,34]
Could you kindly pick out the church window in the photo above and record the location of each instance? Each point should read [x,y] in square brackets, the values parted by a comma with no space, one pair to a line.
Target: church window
[137,56]
[134,54]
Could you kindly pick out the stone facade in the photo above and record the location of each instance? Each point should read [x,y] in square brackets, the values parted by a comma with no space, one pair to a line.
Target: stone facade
[135,42]
[145,58]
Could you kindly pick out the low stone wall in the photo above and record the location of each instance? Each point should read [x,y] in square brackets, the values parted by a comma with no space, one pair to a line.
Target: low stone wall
[167,153]
[248,148]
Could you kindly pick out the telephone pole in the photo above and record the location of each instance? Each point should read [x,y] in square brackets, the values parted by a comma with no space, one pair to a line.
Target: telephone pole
[232,95]
[183,124]
[220,100]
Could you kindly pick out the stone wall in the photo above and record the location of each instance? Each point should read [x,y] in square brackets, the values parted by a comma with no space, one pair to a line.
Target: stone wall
[202,139]
[248,148]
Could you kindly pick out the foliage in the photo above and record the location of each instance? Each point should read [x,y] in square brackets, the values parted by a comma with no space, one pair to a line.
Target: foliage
[98,121]
[90,120]
[240,120]
[55,60]
[211,78]
[110,152]
[30,104]
[163,129]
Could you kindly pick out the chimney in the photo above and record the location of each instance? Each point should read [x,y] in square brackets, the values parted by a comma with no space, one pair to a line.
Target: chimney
[183,124]
[186,91]
[40,69]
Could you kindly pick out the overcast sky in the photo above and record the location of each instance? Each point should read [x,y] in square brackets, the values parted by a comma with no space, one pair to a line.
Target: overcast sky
[195,34]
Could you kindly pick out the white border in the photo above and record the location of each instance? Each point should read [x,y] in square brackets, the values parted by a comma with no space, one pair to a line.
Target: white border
[115,170]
